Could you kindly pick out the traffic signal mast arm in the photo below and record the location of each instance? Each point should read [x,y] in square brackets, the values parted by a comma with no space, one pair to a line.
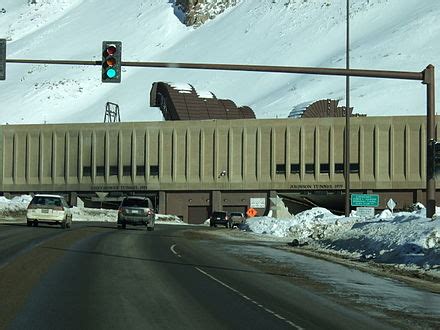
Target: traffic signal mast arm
[406,75]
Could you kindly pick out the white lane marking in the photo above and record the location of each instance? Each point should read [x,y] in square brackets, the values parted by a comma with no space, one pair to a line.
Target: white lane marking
[174,251]
[278,316]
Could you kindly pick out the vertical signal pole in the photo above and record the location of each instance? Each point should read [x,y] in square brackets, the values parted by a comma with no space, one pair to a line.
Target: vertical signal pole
[429,80]
[347,119]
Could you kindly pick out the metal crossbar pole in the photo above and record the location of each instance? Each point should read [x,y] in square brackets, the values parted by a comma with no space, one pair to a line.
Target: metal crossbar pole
[406,75]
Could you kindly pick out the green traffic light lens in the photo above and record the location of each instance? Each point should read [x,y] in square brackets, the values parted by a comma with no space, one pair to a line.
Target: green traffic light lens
[111,73]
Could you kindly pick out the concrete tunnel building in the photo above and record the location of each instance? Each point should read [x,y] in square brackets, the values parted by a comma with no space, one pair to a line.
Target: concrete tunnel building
[193,168]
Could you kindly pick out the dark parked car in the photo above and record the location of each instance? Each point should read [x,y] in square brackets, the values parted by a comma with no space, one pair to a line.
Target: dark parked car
[136,211]
[220,218]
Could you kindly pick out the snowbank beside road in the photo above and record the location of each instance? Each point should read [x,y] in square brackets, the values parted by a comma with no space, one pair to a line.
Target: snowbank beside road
[300,226]
[17,203]
[405,238]
[89,214]
[11,209]
[105,215]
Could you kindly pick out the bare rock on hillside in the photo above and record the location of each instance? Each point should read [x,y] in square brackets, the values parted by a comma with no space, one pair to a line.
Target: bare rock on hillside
[197,12]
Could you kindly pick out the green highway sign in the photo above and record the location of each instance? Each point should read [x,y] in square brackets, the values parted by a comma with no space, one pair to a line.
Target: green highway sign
[364,200]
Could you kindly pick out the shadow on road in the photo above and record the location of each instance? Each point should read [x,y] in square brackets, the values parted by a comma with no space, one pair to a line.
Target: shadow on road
[184,264]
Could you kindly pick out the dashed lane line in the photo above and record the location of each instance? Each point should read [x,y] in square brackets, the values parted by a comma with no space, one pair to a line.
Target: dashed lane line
[278,316]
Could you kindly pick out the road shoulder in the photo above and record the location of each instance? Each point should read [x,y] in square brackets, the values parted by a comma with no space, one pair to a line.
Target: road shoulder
[415,278]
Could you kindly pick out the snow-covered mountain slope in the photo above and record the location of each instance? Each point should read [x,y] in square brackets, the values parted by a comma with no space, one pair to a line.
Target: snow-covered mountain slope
[385,34]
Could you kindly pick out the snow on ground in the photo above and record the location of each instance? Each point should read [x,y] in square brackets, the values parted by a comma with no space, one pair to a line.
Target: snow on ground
[15,204]
[105,215]
[89,214]
[406,239]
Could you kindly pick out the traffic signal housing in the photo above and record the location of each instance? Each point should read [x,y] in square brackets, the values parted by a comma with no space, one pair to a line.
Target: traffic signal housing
[2,59]
[436,162]
[111,61]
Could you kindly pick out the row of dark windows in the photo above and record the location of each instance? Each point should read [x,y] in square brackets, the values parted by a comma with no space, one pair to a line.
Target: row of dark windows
[126,170]
[280,169]
[310,168]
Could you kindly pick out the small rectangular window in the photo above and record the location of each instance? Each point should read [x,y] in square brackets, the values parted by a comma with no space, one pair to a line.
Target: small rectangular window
[310,168]
[294,168]
[281,169]
[113,170]
[126,170]
[324,168]
[136,202]
[140,170]
[354,168]
[87,171]
[100,170]
[154,170]
[339,168]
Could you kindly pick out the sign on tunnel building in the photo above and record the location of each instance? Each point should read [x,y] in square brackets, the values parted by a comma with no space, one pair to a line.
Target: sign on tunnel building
[365,200]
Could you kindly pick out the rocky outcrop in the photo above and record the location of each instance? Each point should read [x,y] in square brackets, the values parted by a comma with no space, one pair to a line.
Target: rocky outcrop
[197,12]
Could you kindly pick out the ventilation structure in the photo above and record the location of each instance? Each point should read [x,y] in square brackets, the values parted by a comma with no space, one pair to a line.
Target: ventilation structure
[321,108]
[184,102]
[112,113]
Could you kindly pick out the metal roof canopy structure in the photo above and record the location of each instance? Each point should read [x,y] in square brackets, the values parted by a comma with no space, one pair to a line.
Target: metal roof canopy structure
[183,102]
[321,108]
[427,77]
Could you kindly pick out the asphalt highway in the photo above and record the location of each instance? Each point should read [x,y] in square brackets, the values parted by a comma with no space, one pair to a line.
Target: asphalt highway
[94,276]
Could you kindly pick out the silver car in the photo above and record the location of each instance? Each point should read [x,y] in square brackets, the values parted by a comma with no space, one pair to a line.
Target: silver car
[49,209]
[237,219]
[135,211]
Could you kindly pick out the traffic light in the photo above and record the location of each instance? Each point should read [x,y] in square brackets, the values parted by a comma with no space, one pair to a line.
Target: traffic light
[437,160]
[2,59]
[111,61]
